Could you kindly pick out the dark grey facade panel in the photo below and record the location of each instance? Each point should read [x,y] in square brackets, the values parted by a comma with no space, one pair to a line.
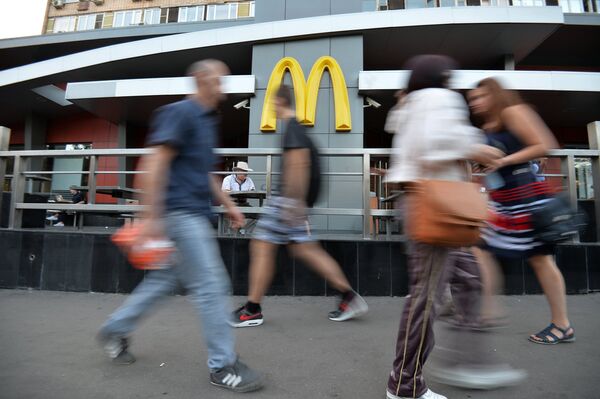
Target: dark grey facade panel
[277,10]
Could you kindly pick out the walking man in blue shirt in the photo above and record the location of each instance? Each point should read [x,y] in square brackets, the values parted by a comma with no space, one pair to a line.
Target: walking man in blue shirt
[177,191]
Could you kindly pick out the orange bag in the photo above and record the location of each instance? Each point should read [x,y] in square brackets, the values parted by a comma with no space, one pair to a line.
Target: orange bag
[150,255]
[445,213]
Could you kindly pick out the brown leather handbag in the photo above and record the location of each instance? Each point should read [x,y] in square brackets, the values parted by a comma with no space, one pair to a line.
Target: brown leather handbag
[445,213]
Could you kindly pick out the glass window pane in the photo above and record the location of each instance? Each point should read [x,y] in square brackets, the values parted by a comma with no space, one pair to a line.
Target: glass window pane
[86,22]
[64,24]
[222,11]
[119,18]
[173,14]
[233,8]
[137,17]
[163,15]
[81,22]
[99,21]
[210,12]
[151,16]
[108,20]
[182,14]
[415,4]
[243,10]
[49,27]
[572,6]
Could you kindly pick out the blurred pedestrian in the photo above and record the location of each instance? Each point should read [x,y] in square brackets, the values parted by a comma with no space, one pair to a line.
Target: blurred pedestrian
[433,140]
[285,222]
[177,190]
[515,129]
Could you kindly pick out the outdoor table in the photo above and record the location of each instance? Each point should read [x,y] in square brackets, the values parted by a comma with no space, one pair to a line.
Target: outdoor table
[113,191]
[245,195]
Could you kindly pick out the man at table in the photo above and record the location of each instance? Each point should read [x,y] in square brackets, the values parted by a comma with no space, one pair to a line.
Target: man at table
[239,181]
[77,198]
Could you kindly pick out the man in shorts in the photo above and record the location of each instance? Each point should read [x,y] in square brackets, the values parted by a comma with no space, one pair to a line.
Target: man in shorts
[285,222]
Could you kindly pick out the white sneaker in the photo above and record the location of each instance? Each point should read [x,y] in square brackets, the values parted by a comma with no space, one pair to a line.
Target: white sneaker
[490,377]
[350,310]
[52,218]
[59,224]
[427,395]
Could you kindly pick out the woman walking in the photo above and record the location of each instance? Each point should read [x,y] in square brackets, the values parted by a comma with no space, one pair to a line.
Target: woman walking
[433,139]
[516,130]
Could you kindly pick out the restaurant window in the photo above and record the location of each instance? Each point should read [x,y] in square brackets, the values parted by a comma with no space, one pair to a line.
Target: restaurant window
[63,181]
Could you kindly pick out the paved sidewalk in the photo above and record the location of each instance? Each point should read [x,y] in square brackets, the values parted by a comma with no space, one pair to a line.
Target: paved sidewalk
[48,350]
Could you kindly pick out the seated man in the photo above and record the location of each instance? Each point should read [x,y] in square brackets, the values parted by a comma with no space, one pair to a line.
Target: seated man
[77,198]
[239,181]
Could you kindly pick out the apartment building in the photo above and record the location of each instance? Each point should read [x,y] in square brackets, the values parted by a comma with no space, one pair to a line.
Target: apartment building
[77,15]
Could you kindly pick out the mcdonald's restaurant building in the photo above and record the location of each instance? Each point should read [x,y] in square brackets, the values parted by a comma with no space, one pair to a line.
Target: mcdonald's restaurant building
[97,88]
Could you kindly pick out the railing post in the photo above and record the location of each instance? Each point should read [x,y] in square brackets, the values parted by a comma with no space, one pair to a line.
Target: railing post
[366,195]
[596,183]
[17,193]
[92,181]
[4,144]
[594,141]
[269,175]
[568,169]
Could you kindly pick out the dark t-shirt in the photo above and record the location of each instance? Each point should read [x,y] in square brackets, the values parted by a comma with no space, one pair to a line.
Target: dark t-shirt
[191,130]
[77,197]
[295,137]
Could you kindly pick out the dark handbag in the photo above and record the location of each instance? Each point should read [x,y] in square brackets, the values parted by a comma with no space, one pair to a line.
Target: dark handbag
[557,221]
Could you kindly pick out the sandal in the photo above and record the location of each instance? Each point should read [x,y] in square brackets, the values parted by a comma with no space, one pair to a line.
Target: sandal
[547,337]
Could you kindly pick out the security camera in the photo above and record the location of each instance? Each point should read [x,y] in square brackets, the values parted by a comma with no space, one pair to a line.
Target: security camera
[242,104]
[371,103]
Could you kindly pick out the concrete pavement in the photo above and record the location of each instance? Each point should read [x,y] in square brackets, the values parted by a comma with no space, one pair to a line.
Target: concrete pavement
[48,350]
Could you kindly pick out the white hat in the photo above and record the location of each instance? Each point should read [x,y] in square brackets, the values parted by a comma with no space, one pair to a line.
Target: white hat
[242,166]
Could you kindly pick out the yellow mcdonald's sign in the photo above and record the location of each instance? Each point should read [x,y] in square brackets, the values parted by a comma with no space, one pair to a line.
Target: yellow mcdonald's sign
[307,92]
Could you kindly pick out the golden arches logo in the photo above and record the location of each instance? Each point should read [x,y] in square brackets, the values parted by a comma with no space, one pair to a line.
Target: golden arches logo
[306,93]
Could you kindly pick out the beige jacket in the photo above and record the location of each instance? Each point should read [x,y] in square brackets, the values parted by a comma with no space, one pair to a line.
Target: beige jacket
[432,133]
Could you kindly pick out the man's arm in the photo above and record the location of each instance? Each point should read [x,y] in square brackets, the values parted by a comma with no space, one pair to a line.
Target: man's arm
[154,181]
[221,197]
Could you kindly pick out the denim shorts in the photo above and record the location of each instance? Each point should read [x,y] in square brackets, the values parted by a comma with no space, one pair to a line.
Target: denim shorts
[273,226]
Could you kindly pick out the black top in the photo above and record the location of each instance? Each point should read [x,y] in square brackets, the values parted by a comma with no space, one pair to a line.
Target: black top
[295,137]
[513,175]
[77,197]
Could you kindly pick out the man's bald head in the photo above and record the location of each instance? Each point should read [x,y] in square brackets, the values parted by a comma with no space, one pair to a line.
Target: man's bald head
[207,75]
[207,66]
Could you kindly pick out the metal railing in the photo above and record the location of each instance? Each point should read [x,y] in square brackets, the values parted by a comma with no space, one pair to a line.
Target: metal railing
[21,174]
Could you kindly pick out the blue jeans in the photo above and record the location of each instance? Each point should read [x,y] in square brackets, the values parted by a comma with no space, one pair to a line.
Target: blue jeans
[200,270]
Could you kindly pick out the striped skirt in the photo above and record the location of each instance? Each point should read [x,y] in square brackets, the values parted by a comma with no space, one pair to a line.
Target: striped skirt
[509,232]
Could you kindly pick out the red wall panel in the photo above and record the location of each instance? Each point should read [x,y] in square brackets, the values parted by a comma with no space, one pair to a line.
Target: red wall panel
[17,134]
[89,129]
